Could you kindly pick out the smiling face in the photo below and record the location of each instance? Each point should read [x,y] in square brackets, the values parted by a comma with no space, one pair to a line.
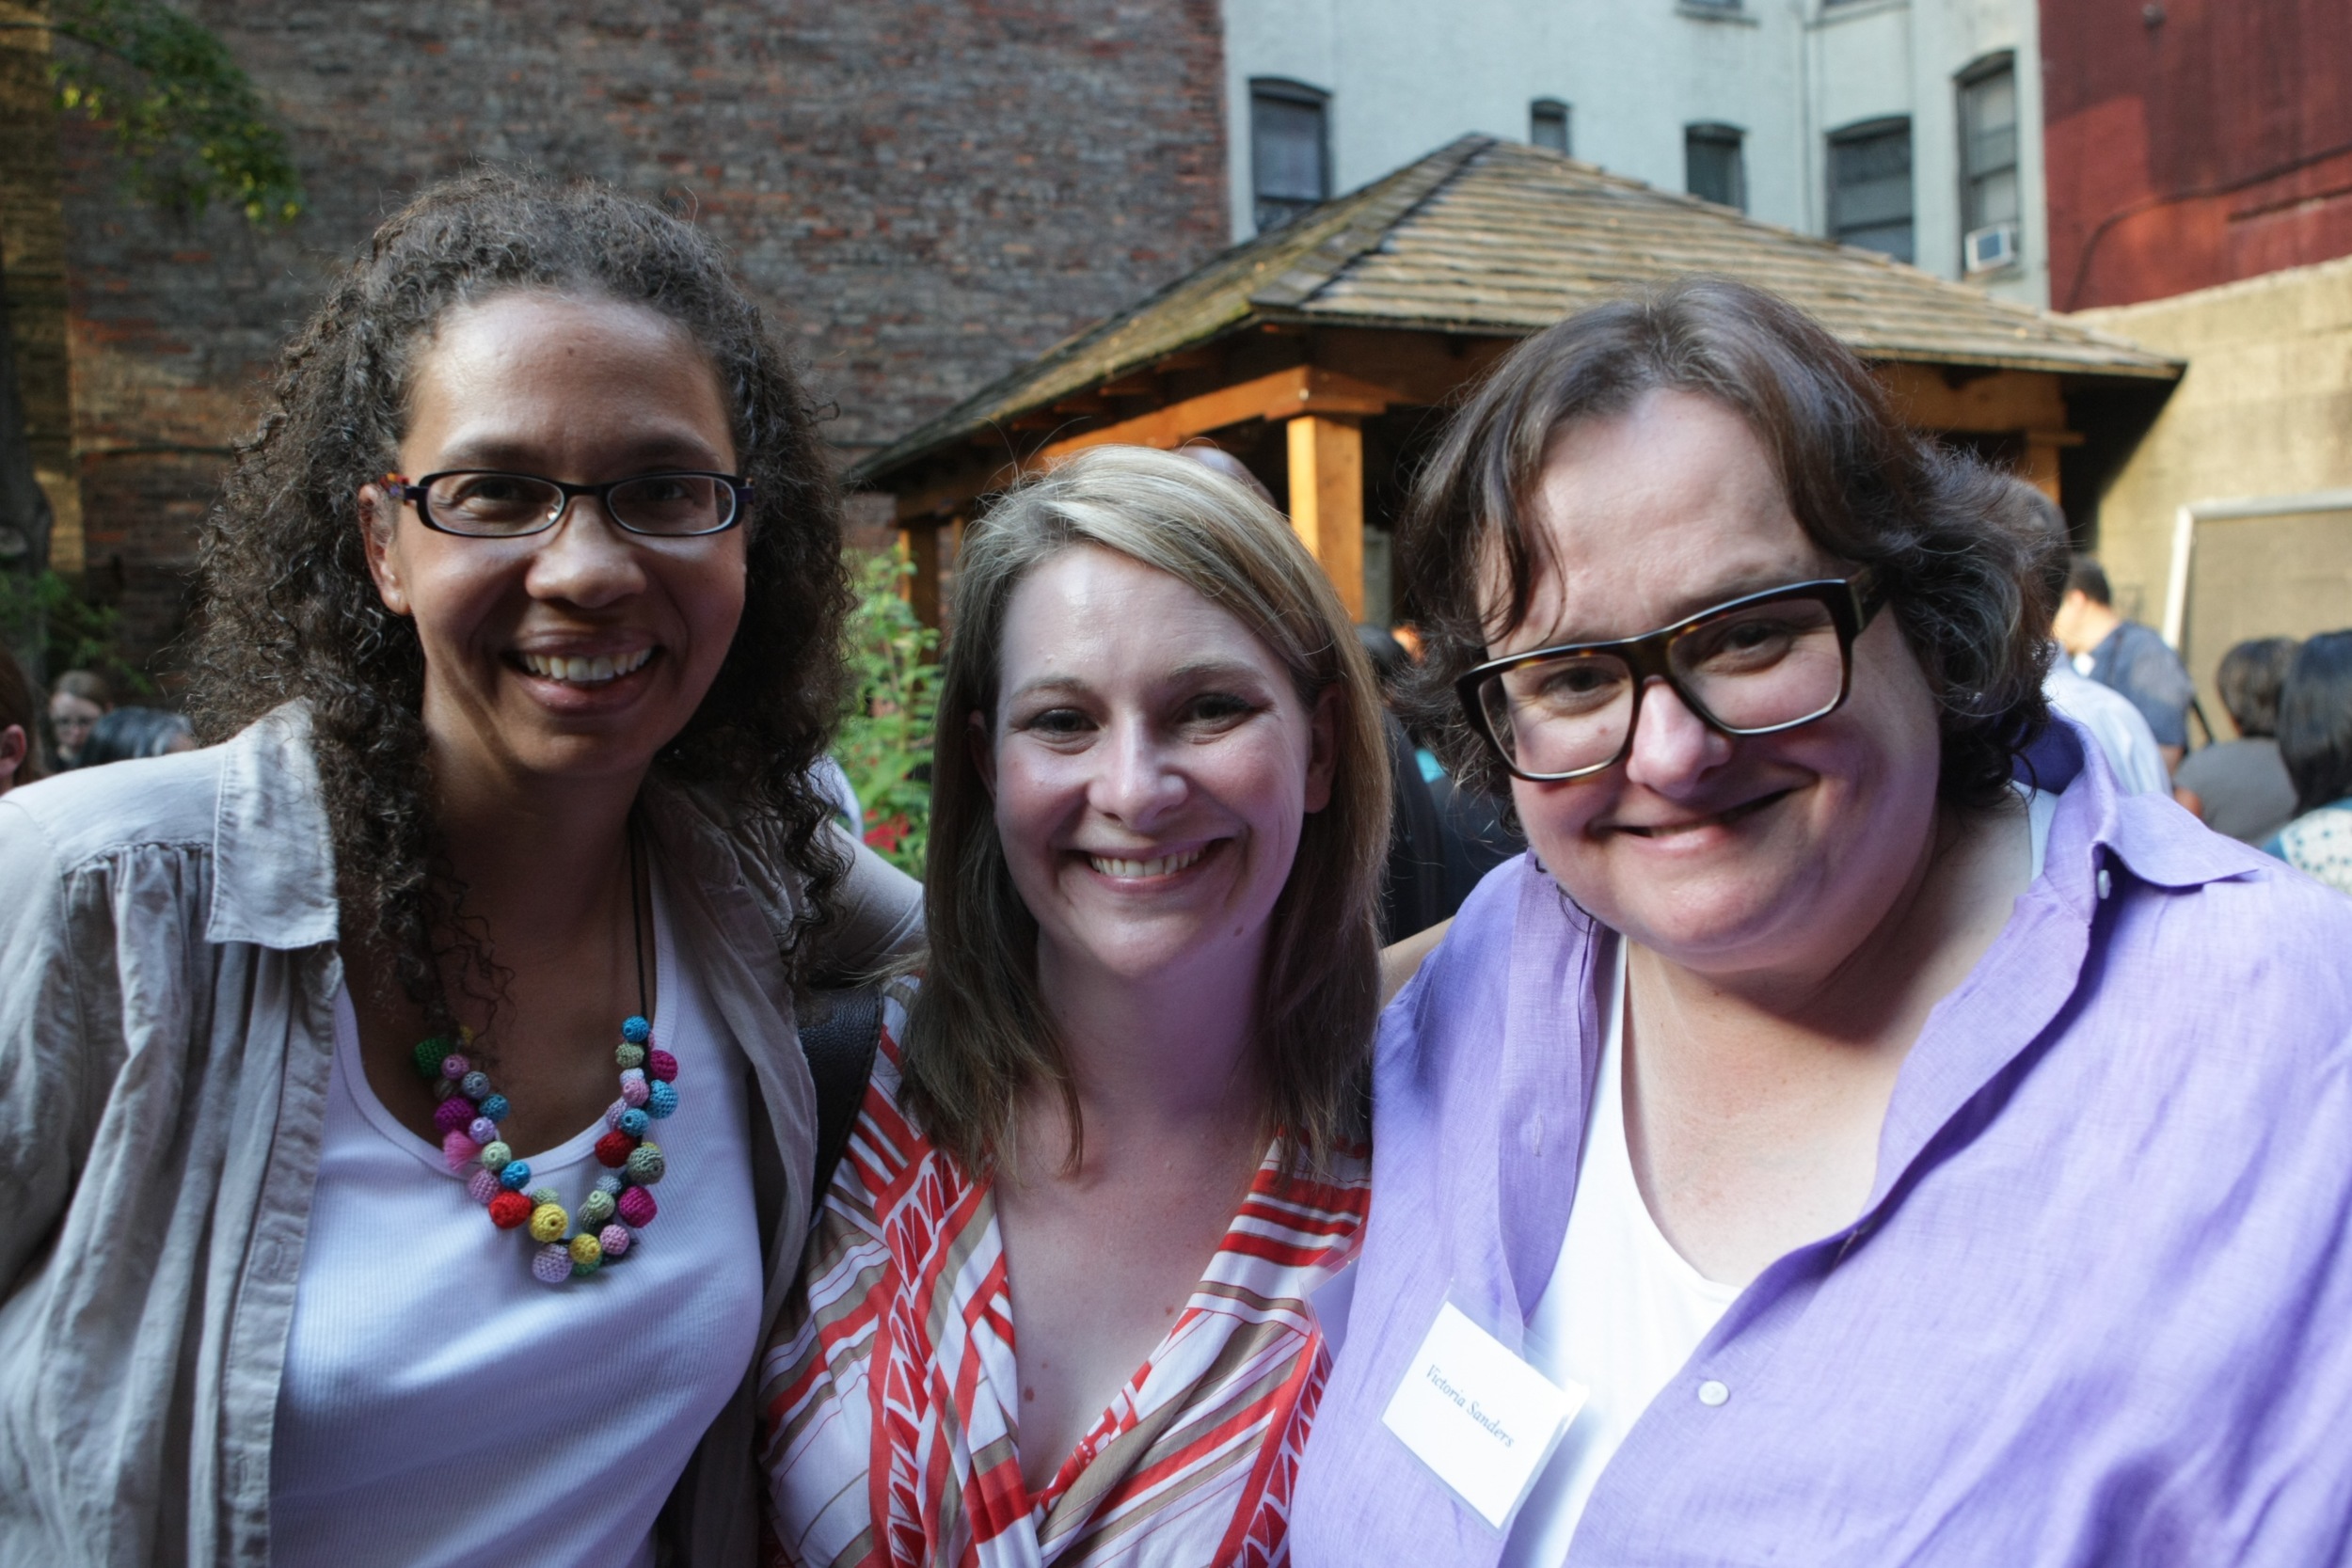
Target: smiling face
[1152,768]
[1770,852]
[582,651]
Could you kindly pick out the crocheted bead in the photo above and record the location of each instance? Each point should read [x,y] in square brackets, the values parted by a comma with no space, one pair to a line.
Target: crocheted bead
[662,1065]
[645,1164]
[548,1222]
[458,1149]
[482,1131]
[661,1099]
[633,1086]
[455,1066]
[551,1265]
[475,1086]
[635,1030]
[453,1114]
[482,1187]
[615,1239]
[495,1156]
[586,1250]
[613,1113]
[516,1175]
[509,1210]
[442,1089]
[611,1184]
[543,1195]
[633,1122]
[595,1208]
[430,1055]
[612,1149]
[628,1056]
[638,1208]
[495,1107]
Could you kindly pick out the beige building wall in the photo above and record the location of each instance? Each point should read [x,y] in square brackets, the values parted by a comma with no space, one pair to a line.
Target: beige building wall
[2264,410]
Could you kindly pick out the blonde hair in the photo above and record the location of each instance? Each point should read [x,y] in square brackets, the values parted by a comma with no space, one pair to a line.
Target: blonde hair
[979,1030]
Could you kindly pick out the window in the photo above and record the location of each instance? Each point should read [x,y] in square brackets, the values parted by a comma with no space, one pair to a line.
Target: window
[1547,125]
[1869,186]
[1290,154]
[1988,154]
[1711,164]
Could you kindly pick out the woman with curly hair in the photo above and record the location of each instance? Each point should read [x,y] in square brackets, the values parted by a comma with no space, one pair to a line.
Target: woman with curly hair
[406,1144]
[1855,1133]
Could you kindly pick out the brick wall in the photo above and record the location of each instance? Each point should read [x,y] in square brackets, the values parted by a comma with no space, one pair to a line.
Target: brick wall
[931,191]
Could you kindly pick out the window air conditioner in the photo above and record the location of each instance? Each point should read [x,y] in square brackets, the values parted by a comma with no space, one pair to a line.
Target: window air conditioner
[1991,247]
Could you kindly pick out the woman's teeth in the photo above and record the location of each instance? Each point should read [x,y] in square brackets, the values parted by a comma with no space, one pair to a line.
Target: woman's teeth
[1161,867]
[584,672]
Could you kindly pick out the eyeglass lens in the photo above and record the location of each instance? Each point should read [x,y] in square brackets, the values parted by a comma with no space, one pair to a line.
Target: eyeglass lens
[1763,667]
[491,505]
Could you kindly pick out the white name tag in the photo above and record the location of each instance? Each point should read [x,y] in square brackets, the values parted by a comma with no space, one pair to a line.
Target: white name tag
[1482,1418]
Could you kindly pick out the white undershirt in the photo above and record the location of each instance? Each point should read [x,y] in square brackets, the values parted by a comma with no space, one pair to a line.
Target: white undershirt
[439,1406]
[1624,1310]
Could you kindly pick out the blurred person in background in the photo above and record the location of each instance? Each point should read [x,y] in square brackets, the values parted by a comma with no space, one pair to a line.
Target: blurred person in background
[20,725]
[1413,891]
[2113,721]
[1057,1305]
[2240,788]
[126,733]
[1912,1150]
[2315,744]
[2126,655]
[77,699]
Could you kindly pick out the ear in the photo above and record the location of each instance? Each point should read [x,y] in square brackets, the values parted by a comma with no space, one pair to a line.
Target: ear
[983,748]
[13,746]
[379,521]
[1323,729]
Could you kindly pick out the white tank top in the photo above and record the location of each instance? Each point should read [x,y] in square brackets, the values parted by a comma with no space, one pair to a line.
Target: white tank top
[439,1405]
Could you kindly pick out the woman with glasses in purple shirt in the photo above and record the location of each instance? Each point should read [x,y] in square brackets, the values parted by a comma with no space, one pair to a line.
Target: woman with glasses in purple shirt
[1854,1133]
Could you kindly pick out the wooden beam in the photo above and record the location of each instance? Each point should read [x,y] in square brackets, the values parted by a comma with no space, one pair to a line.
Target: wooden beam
[1327,499]
[1300,390]
[1999,402]
[921,544]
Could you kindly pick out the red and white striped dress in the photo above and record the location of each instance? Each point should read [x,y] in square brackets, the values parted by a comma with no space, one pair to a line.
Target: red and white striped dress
[890,1389]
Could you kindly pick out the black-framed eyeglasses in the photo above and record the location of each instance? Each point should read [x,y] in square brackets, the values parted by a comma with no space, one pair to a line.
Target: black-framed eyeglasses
[482,503]
[1752,665]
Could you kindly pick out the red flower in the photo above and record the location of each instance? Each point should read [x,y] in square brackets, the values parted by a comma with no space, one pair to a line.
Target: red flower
[887,834]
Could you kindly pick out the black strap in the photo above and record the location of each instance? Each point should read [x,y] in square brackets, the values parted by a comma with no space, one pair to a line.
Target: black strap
[841,1031]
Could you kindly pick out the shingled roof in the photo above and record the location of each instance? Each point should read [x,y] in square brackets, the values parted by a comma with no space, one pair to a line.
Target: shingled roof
[1494,238]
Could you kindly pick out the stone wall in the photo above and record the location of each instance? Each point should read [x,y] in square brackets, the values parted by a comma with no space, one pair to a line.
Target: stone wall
[929,192]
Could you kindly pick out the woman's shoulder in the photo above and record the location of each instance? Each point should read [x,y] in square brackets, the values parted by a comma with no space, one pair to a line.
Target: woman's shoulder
[95,813]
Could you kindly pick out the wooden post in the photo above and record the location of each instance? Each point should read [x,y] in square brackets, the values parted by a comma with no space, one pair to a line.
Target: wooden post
[921,539]
[2042,459]
[1327,499]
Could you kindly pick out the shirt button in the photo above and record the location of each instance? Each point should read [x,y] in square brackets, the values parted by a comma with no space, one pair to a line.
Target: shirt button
[1712,1393]
[2107,884]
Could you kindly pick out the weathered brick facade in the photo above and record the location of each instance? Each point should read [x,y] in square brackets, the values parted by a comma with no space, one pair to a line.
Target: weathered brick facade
[933,191]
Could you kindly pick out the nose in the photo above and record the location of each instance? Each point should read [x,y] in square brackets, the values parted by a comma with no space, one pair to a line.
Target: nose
[1135,784]
[1673,748]
[585,560]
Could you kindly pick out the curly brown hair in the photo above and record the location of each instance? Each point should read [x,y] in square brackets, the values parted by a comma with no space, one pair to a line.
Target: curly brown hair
[1960,563]
[290,612]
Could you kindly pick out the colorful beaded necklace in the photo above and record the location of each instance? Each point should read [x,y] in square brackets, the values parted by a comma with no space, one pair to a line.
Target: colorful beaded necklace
[622,1204]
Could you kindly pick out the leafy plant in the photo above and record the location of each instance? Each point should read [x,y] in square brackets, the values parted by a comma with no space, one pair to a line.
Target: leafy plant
[72,631]
[184,116]
[885,740]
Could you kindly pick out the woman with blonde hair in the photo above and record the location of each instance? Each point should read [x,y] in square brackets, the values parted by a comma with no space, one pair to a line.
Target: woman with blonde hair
[1056,1308]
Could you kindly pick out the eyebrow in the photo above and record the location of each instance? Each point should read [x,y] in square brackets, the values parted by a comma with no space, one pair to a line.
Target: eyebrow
[1190,671]
[659,450]
[1694,603]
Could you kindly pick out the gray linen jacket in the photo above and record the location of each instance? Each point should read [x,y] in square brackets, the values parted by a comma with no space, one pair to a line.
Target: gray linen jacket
[168,975]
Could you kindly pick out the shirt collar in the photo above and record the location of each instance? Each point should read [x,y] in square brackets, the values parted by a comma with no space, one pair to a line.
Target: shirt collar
[273,859]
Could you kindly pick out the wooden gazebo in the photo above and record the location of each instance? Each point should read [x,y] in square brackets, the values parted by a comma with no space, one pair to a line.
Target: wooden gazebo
[1318,353]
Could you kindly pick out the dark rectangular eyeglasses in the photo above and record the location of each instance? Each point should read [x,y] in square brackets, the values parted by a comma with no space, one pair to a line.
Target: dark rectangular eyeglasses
[486,504]
[1753,665]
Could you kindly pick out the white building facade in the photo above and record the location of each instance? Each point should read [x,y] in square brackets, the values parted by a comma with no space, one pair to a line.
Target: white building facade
[1913,127]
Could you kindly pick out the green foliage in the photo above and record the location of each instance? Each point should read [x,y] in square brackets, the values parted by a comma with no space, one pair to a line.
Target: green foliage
[186,118]
[76,632]
[885,740]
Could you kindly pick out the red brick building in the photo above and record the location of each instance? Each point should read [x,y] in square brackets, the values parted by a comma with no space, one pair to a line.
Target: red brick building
[931,191]
[2188,143]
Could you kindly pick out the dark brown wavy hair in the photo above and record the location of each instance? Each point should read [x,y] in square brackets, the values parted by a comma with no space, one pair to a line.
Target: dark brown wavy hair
[1959,562]
[290,612]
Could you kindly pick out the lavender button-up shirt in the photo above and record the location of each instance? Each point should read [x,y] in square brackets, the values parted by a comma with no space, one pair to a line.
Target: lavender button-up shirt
[2097,1309]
